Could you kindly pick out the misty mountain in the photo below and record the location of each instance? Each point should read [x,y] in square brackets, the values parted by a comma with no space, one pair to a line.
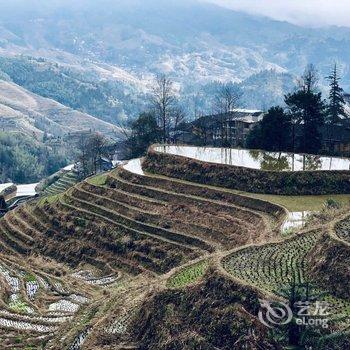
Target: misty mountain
[124,43]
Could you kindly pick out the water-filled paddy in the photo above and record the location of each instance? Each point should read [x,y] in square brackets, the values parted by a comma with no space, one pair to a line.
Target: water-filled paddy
[134,166]
[277,161]
[299,207]
[295,220]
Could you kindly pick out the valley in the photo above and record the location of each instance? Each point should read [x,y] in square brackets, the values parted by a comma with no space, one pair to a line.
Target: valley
[114,58]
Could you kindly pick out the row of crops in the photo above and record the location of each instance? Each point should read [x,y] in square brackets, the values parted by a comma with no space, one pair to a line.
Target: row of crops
[188,275]
[34,302]
[272,266]
[342,229]
[66,181]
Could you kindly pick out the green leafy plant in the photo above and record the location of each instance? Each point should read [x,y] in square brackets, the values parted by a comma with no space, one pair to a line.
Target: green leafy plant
[188,275]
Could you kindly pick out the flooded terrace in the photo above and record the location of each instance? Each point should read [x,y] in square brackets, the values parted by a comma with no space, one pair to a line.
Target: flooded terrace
[261,160]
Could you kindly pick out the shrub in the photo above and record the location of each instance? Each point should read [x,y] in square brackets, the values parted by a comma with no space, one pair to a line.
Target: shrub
[80,222]
[331,203]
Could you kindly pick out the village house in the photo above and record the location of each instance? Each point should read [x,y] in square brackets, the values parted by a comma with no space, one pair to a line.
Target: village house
[228,129]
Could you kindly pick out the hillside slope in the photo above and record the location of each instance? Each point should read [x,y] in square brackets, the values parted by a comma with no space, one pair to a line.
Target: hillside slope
[21,110]
[194,42]
[133,260]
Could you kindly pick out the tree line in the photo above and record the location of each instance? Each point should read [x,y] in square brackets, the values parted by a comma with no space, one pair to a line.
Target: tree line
[160,123]
[299,126]
[25,160]
[93,150]
[306,121]
[166,119]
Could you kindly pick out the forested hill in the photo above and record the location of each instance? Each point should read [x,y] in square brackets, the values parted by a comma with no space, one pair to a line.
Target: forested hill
[101,56]
[78,87]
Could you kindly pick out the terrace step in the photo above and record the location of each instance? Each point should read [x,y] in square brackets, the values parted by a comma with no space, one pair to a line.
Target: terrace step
[34,223]
[31,219]
[121,261]
[28,341]
[116,261]
[126,228]
[209,192]
[17,235]
[342,229]
[255,224]
[14,220]
[154,231]
[38,227]
[154,218]
[26,326]
[4,247]
[249,218]
[10,241]
[62,184]
[44,320]
[273,265]
[125,197]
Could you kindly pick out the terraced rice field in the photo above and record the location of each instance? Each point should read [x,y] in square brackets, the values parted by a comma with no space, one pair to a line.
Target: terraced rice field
[273,266]
[68,180]
[34,304]
[188,275]
[76,265]
[119,224]
[255,159]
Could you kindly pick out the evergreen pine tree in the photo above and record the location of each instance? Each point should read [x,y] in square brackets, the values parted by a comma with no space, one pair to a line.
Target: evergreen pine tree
[336,105]
[308,109]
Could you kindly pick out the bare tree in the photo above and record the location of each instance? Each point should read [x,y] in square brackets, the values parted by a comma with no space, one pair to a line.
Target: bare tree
[196,106]
[178,117]
[97,146]
[125,136]
[309,80]
[92,148]
[226,98]
[83,157]
[163,101]
[225,101]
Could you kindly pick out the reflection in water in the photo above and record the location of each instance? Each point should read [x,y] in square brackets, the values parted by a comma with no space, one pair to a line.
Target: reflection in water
[295,220]
[277,161]
[313,162]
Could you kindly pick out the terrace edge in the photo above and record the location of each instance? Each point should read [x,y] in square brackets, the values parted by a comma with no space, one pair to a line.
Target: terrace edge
[313,182]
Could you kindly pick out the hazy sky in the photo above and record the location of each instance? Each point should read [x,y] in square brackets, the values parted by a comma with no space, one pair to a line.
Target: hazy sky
[305,12]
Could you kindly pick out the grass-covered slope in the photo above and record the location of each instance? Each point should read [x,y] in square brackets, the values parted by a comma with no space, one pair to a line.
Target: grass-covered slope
[214,314]
[329,261]
[22,110]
